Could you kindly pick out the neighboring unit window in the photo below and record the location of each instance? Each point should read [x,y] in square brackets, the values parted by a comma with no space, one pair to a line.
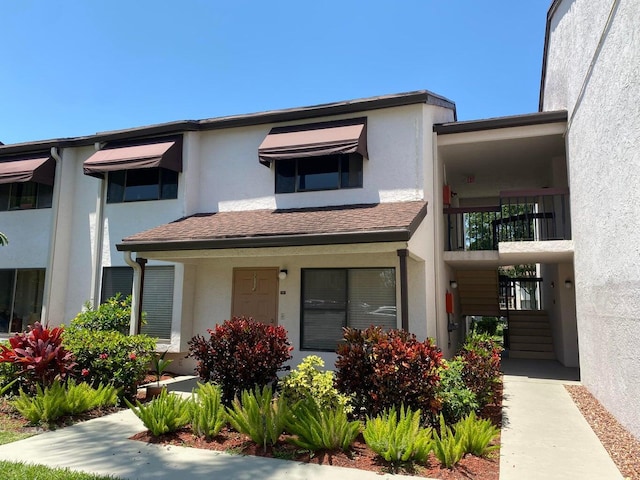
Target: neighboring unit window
[25,196]
[336,298]
[142,184]
[328,172]
[20,298]
[157,300]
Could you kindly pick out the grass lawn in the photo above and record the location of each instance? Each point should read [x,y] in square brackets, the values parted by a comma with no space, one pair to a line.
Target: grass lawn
[11,428]
[20,471]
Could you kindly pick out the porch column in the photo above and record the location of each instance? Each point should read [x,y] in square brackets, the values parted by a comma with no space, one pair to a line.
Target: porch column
[142,262]
[404,285]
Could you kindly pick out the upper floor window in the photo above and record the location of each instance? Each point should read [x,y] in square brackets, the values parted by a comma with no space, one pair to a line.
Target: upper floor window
[142,184]
[329,172]
[25,195]
[316,156]
[27,182]
[135,172]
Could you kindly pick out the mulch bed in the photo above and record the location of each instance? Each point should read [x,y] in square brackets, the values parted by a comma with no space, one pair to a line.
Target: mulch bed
[360,456]
[623,447]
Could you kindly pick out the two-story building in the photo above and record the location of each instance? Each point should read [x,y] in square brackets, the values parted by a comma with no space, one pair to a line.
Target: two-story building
[382,211]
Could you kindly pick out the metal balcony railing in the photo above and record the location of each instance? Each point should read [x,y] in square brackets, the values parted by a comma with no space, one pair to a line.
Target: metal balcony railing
[523,215]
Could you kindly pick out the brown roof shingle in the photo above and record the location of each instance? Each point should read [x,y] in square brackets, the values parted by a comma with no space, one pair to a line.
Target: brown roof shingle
[320,225]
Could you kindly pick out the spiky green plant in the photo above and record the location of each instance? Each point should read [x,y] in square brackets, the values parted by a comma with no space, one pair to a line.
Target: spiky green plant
[477,435]
[259,416]
[46,406]
[448,446]
[319,427]
[398,437]
[208,415]
[165,413]
[57,400]
[82,398]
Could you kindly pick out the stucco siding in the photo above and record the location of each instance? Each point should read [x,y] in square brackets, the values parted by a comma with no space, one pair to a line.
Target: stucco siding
[602,148]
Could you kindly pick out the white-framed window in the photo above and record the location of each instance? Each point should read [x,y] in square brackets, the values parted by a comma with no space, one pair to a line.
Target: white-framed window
[333,298]
[157,301]
[21,292]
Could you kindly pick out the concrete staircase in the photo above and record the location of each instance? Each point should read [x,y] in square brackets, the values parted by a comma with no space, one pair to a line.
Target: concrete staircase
[530,335]
[478,292]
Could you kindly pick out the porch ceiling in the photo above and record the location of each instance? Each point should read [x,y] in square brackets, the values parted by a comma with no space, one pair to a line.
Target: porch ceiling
[505,159]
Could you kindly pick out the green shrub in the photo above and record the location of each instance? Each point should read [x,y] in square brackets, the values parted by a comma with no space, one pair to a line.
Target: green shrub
[320,428]
[307,380]
[112,315]
[259,416]
[58,400]
[107,356]
[448,446]
[398,437]
[382,369]
[208,415]
[477,435]
[240,354]
[480,356]
[456,399]
[487,325]
[165,413]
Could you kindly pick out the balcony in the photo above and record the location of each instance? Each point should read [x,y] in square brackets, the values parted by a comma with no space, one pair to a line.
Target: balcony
[521,216]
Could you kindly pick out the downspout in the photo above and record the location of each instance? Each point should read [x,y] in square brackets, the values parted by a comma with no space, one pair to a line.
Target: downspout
[55,208]
[99,238]
[136,300]
[404,285]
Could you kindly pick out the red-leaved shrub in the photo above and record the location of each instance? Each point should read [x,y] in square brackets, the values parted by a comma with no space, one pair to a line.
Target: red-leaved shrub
[240,354]
[388,368]
[39,355]
[480,356]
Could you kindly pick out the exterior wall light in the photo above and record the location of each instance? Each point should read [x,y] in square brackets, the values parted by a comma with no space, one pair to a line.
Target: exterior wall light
[568,283]
[283,274]
[453,284]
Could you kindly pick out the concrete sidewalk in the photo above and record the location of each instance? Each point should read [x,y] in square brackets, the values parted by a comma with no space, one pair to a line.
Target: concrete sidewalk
[101,446]
[544,435]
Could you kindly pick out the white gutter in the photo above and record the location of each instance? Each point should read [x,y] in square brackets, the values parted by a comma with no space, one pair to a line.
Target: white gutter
[135,292]
[96,267]
[55,209]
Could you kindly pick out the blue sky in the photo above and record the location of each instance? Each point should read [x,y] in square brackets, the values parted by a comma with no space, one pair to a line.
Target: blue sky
[76,67]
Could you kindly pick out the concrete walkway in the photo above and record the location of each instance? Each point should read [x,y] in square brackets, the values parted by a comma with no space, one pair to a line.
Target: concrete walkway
[544,435]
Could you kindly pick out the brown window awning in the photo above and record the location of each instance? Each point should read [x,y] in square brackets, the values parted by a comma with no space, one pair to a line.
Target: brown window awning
[39,170]
[162,154]
[314,140]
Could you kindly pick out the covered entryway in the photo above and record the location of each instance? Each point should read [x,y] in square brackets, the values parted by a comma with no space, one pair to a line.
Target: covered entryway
[255,294]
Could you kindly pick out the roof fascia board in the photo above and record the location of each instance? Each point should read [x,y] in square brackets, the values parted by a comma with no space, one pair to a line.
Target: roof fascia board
[274,116]
[513,133]
[396,235]
[529,119]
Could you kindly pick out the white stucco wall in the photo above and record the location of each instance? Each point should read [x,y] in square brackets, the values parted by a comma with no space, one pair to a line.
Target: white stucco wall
[602,149]
[231,178]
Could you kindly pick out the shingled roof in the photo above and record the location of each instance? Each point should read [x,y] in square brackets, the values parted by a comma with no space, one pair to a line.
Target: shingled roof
[362,223]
